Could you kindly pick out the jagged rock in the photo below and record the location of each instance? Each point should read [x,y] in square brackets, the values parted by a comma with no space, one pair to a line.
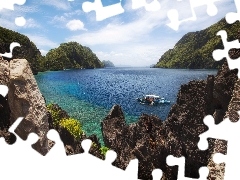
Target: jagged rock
[25,100]
[73,146]
[234,104]
[4,71]
[151,140]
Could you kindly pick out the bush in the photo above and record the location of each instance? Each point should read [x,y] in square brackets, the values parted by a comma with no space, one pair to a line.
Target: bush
[55,113]
[104,150]
[73,126]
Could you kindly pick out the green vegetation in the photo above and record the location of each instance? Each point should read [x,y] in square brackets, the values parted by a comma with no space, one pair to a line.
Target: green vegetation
[194,50]
[57,113]
[67,56]
[70,55]
[61,118]
[107,63]
[73,126]
[28,49]
[104,150]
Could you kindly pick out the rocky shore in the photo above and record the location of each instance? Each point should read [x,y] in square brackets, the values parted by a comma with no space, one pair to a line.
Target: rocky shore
[149,139]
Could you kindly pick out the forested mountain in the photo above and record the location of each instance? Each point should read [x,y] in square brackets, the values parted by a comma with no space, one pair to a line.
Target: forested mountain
[107,63]
[194,50]
[28,49]
[70,55]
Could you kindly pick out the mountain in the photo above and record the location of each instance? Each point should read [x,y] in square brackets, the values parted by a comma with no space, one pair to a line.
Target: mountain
[107,63]
[28,49]
[70,55]
[194,50]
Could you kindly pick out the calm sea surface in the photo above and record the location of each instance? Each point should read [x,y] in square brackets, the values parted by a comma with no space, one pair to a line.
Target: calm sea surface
[88,95]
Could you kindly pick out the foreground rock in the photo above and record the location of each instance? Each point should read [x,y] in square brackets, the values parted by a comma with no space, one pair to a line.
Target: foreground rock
[24,100]
[152,140]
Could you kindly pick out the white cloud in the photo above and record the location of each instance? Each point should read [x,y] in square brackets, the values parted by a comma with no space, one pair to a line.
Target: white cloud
[75,25]
[43,52]
[42,41]
[31,23]
[59,4]
[121,33]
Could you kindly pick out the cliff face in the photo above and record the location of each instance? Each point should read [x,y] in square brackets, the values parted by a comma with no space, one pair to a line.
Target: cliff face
[24,100]
[152,140]
[194,50]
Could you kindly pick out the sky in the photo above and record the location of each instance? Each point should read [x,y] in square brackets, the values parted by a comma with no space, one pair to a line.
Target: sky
[135,37]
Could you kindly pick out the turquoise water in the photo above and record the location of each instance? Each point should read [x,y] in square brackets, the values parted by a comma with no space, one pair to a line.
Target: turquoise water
[88,95]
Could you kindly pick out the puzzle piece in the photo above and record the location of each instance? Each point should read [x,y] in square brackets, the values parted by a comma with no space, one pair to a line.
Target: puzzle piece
[233,17]
[12,46]
[173,14]
[25,158]
[157,174]
[219,54]
[103,12]
[228,131]
[171,161]
[153,6]
[9,4]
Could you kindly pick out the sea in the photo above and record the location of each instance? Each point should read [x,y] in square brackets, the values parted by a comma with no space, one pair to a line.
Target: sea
[88,94]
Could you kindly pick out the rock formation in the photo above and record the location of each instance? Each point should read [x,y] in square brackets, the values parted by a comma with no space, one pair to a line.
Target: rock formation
[152,140]
[72,145]
[24,100]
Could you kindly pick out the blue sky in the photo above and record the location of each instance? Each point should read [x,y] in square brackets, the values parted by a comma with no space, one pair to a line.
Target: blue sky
[136,37]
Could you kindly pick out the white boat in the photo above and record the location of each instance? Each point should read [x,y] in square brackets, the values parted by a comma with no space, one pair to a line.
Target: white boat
[152,99]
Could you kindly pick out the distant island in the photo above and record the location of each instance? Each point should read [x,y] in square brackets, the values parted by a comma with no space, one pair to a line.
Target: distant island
[107,63]
[194,50]
[71,55]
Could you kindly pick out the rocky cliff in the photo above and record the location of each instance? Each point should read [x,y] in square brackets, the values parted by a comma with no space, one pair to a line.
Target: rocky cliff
[152,140]
[23,100]
[149,139]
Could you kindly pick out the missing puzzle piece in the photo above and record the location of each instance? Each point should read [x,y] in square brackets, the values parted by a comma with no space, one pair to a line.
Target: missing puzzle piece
[102,12]
[3,90]
[219,54]
[9,4]
[153,6]
[178,16]
[232,17]
[12,46]
[229,131]
[180,162]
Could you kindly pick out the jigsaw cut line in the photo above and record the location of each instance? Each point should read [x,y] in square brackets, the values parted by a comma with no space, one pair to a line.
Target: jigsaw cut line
[103,12]
[12,46]
[229,131]
[214,130]
[174,14]
[180,162]
[232,17]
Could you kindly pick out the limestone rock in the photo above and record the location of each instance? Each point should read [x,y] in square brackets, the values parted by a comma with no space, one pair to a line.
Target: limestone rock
[25,100]
[151,140]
